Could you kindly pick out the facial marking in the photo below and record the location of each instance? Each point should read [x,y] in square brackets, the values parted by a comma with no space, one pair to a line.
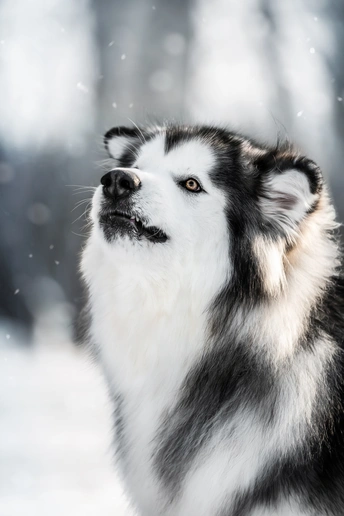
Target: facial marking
[187,158]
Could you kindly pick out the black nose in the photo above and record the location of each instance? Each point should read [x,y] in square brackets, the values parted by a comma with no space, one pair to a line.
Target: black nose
[120,183]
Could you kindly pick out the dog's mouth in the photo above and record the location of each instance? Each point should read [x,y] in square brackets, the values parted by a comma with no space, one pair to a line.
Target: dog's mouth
[124,222]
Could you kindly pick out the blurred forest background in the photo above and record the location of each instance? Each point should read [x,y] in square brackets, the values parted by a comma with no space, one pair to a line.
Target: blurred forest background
[70,70]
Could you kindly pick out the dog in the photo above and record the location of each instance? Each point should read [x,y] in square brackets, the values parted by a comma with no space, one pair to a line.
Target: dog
[216,294]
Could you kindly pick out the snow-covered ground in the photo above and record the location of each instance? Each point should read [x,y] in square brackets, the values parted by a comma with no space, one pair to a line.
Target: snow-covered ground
[55,434]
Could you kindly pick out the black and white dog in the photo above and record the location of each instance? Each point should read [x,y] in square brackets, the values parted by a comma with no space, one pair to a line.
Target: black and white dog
[216,298]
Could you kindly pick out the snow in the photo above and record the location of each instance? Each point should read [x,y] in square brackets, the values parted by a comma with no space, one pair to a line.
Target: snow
[82,87]
[55,434]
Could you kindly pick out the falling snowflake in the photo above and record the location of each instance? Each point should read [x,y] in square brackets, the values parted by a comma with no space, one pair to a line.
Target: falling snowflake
[30,255]
[111,43]
[8,336]
[114,105]
[339,99]
[299,113]
[123,56]
[51,247]
[82,87]
[312,50]
[57,262]
[131,105]
[16,291]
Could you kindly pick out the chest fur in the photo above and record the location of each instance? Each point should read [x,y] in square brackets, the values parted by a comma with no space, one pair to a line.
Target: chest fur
[149,339]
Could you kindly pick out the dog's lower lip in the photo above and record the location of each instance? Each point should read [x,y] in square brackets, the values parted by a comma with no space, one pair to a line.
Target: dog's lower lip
[123,215]
[134,220]
[151,233]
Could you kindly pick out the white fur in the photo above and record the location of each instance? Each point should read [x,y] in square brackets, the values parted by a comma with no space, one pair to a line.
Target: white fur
[149,305]
[295,280]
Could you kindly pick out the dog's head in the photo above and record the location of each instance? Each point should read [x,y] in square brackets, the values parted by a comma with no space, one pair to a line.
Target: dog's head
[204,203]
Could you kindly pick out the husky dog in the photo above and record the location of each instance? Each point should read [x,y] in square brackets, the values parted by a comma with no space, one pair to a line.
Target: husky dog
[216,300]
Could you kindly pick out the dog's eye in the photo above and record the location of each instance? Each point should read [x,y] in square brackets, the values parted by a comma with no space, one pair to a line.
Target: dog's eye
[192,185]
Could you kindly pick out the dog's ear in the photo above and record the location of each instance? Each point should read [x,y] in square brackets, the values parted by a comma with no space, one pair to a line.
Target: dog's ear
[119,140]
[289,189]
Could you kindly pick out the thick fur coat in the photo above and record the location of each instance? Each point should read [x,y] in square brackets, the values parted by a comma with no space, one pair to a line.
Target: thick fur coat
[216,301]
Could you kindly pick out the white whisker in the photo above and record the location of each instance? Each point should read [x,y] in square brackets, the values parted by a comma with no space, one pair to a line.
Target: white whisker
[143,139]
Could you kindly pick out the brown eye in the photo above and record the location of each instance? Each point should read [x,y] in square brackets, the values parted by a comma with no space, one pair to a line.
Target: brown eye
[192,185]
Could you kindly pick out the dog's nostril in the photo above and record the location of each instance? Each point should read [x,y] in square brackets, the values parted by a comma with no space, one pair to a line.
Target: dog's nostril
[124,183]
[106,180]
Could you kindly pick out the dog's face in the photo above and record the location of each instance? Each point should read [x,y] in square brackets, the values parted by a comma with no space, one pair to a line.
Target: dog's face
[203,203]
[158,198]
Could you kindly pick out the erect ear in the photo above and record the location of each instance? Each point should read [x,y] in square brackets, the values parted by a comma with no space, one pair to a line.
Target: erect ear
[290,188]
[120,140]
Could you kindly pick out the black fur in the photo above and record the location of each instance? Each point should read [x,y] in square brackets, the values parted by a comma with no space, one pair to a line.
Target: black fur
[219,384]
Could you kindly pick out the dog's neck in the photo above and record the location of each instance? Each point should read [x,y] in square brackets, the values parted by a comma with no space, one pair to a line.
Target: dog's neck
[163,315]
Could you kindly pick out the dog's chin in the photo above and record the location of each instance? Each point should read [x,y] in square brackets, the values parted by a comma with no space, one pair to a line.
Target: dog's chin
[119,224]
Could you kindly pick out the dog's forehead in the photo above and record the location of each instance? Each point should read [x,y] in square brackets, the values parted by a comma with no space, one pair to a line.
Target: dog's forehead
[193,155]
